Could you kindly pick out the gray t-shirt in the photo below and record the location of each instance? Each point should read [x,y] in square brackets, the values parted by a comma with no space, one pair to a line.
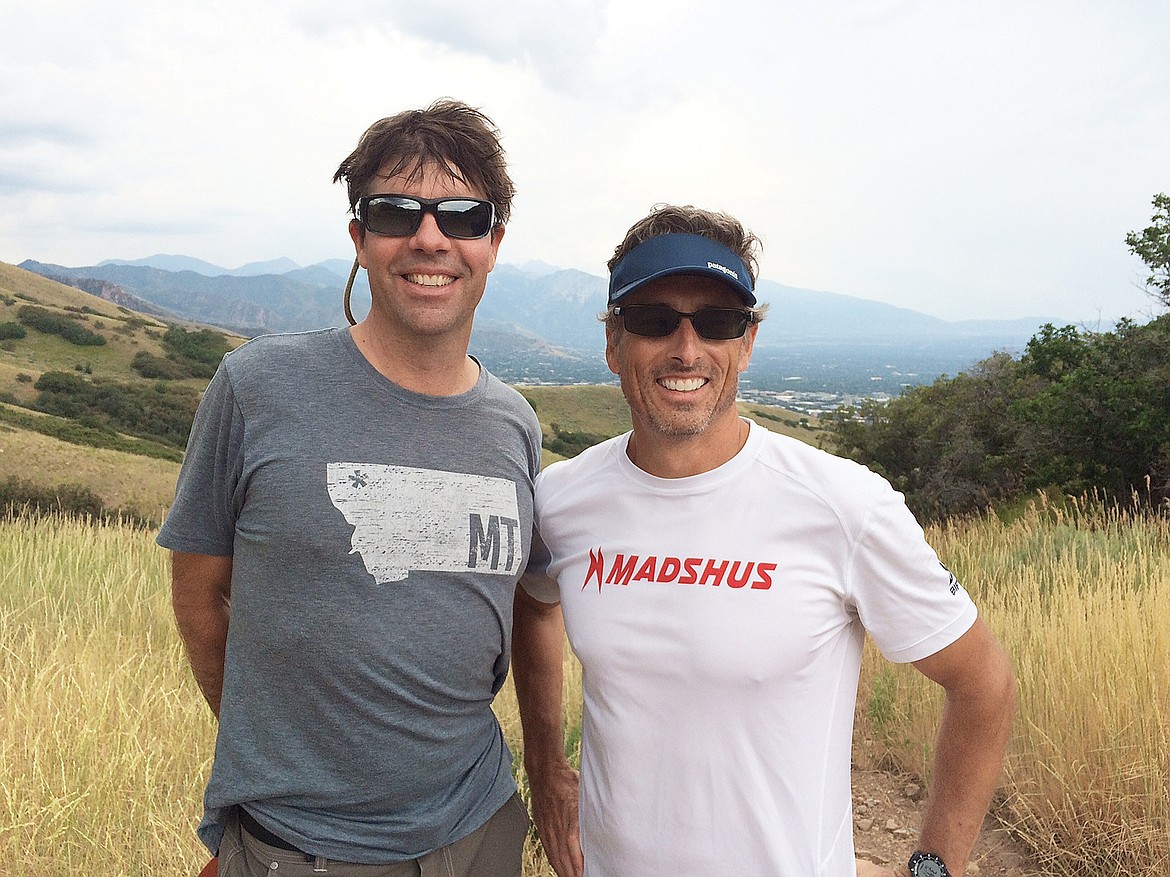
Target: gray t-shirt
[377,536]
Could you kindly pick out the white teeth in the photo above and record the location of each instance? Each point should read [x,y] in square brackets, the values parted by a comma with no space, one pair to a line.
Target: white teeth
[430,279]
[685,385]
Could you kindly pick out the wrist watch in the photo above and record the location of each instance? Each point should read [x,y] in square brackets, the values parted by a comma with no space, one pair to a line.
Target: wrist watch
[927,865]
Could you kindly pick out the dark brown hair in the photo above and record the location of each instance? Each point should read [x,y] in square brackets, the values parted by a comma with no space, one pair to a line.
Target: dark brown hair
[449,134]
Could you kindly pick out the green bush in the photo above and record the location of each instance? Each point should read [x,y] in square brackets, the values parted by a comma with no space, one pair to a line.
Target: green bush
[87,431]
[570,442]
[44,320]
[11,330]
[189,355]
[1079,412]
[156,367]
[162,412]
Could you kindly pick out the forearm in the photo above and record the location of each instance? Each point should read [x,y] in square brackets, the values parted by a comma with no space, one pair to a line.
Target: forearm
[200,596]
[537,671]
[969,753]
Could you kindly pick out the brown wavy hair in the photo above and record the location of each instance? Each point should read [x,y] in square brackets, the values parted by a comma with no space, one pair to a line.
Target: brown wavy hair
[449,134]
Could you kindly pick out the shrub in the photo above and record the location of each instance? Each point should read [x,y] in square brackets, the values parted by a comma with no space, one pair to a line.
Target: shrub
[88,430]
[570,442]
[44,320]
[156,367]
[198,352]
[161,412]
[11,330]
[17,495]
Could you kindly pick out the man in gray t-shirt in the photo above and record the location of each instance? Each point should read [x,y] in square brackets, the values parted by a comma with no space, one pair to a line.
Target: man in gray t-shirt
[350,522]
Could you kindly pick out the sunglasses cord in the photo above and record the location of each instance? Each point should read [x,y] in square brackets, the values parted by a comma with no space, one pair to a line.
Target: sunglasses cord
[348,287]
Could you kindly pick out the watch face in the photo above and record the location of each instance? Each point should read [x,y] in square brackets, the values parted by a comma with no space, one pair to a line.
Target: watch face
[927,865]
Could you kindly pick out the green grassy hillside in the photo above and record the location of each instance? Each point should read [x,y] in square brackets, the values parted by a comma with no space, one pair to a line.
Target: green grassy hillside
[40,453]
[142,486]
[126,333]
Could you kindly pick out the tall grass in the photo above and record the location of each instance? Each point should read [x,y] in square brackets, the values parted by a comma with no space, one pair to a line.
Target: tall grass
[1079,596]
[105,742]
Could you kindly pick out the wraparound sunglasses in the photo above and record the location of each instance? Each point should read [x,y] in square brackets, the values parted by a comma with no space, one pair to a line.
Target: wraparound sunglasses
[399,216]
[658,321]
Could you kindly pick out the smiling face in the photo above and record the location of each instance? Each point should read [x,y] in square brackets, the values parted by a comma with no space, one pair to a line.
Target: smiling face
[681,388]
[425,286]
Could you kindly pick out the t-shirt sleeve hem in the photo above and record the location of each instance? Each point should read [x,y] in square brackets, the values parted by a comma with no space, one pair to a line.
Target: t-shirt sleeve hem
[540,586]
[937,641]
[177,542]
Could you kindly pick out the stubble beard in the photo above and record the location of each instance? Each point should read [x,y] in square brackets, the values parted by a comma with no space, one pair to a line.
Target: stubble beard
[679,424]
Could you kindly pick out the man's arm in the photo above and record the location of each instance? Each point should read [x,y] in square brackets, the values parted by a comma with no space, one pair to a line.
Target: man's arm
[968,754]
[972,738]
[538,636]
[201,587]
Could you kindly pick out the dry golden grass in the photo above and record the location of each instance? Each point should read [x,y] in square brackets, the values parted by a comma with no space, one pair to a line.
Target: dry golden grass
[105,742]
[1080,599]
[143,485]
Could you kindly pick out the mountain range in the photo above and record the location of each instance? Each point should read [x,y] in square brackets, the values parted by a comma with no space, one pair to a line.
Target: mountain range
[538,323]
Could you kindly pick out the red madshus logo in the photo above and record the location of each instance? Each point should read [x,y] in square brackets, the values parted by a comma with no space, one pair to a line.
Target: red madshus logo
[678,571]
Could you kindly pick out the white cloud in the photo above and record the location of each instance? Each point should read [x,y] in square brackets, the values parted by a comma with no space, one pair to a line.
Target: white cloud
[965,160]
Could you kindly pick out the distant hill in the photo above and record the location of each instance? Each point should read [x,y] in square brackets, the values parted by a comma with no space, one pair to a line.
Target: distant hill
[539,300]
[538,324]
[187,263]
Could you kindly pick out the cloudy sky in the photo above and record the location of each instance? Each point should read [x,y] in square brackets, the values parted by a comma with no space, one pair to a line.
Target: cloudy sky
[965,159]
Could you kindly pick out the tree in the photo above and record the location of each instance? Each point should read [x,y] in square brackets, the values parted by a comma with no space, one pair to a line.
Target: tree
[1152,246]
[1079,411]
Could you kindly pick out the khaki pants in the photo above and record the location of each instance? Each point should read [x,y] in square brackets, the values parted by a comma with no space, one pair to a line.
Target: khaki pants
[492,850]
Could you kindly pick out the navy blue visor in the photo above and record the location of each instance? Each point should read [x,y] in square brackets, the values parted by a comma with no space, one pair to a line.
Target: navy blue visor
[671,254]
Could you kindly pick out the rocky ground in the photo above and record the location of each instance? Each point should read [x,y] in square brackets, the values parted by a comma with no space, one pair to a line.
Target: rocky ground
[887,811]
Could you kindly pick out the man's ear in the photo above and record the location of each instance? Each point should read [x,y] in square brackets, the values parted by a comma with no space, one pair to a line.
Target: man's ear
[357,233]
[749,342]
[613,339]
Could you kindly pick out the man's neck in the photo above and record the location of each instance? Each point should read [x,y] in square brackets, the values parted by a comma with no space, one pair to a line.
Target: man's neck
[670,456]
[430,367]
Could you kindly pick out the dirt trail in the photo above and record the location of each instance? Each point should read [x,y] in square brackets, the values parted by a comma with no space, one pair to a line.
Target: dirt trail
[887,811]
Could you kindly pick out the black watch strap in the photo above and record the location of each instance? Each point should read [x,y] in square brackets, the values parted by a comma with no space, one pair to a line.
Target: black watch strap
[927,865]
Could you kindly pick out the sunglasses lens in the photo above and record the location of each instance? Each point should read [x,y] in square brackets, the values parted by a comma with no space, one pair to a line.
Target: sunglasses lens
[651,321]
[720,324]
[464,219]
[396,216]
[392,217]
[658,321]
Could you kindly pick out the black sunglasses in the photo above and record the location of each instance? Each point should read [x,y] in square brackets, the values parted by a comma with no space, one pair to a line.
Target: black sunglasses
[399,216]
[658,321]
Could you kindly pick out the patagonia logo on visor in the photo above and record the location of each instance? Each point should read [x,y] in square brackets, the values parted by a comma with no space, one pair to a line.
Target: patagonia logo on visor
[723,268]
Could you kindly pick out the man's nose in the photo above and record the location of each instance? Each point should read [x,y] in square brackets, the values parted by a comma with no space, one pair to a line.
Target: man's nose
[685,341]
[428,236]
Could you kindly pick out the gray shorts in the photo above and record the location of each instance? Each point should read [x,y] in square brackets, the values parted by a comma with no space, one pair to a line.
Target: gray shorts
[494,849]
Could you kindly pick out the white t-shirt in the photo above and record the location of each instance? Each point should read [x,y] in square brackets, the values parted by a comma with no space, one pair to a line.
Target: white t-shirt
[719,621]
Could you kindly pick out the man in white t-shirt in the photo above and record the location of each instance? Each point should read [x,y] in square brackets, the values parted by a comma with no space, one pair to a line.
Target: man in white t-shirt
[716,582]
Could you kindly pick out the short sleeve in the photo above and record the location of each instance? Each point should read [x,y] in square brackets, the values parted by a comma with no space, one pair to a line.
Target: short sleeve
[908,601]
[536,580]
[209,494]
